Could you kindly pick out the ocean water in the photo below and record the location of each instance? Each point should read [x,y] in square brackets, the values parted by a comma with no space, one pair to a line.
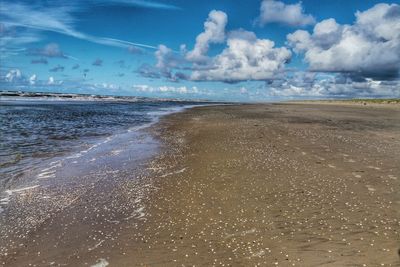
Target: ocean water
[37,136]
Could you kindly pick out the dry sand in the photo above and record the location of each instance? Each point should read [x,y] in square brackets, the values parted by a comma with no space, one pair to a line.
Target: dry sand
[248,185]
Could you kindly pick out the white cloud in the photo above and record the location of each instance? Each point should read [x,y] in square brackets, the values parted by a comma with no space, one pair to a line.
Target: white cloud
[10,43]
[311,85]
[245,58]
[166,58]
[55,19]
[272,11]
[111,87]
[15,78]
[368,48]
[242,34]
[142,3]
[13,75]
[214,32]
[32,79]
[183,90]
[51,80]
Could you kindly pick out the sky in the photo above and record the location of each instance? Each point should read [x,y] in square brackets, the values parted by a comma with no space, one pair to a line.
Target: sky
[219,50]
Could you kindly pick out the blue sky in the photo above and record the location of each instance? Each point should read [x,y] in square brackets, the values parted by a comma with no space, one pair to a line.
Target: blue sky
[221,50]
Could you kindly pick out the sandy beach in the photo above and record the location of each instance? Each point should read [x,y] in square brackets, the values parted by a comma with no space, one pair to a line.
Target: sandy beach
[242,185]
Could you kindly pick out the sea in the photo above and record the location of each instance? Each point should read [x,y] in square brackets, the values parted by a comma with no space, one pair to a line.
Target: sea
[46,139]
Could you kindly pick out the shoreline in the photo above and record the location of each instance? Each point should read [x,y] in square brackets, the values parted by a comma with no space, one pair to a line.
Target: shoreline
[243,185]
[41,170]
[64,182]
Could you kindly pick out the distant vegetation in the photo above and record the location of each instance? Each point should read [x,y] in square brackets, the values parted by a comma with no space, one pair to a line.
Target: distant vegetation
[362,101]
[376,100]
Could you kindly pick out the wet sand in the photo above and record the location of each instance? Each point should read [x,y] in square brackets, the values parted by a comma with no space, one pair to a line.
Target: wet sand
[243,185]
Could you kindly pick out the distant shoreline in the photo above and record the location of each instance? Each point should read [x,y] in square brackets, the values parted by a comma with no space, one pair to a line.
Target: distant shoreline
[8,95]
[361,101]
[16,95]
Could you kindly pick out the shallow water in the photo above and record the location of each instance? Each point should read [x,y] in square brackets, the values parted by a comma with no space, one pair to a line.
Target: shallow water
[67,158]
[36,135]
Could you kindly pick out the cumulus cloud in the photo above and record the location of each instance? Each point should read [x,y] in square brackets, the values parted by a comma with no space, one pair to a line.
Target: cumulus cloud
[242,34]
[148,71]
[98,62]
[13,75]
[245,58]
[214,32]
[167,61]
[272,11]
[166,58]
[32,80]
[369,48]
[51,80]
[313,85]
[16,79]
[168,89]
[108,86]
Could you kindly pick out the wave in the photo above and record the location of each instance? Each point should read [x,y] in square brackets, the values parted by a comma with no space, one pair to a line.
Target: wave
[22,95]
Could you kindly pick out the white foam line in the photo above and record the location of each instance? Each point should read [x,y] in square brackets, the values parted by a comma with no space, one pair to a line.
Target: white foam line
[10,192]
[157,115]
[4,201]
[137,214]
[77,155]
[57,162]
[140,212]
[49,168]
[53,165]
[96,246]
[48,174]
[171,173]
[80,154]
